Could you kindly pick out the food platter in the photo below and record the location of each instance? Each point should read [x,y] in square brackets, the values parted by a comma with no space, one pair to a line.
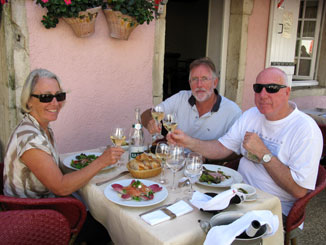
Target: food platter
[114,196]
[67,160]
[235,177]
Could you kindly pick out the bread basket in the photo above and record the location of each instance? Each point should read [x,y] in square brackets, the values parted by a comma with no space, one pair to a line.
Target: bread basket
[144,174]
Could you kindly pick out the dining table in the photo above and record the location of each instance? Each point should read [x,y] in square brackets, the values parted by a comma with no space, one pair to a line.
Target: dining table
[125,226]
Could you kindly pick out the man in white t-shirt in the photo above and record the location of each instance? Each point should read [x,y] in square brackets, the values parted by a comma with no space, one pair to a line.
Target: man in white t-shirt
[201,112]
[281,146]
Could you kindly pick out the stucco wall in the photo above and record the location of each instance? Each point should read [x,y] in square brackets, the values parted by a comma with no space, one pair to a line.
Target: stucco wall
[105,77]
[256,49]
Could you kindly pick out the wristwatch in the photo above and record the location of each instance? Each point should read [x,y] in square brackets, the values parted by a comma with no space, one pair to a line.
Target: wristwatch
[266,158]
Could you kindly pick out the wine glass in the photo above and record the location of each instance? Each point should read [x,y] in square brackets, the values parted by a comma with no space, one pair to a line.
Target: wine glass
[170,122]
[161,152]
[175,161]
[193,170]
[118,138]
[158,115]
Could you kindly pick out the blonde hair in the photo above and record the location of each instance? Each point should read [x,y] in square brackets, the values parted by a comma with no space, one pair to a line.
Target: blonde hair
[30,83]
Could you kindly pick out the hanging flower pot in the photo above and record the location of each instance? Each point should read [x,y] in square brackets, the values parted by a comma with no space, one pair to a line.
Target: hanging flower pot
[84,24]
[120,25]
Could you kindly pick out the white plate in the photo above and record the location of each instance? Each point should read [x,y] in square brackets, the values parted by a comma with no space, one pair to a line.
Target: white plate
[68,159]
[235,176]
[114,196]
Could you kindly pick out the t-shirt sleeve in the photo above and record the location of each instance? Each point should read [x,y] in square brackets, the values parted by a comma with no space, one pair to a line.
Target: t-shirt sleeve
[32,141]
[232,139]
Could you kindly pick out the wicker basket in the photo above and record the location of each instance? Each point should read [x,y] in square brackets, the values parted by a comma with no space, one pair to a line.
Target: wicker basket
[144,174]
[84,25]
[120,25]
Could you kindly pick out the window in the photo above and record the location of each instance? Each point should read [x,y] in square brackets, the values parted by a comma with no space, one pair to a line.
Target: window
[307,39]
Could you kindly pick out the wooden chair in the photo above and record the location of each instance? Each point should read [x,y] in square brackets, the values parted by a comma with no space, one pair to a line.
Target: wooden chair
[72,209]
[298,213]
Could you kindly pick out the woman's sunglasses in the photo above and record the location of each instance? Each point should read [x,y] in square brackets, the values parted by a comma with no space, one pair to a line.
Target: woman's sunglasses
[270,88]
[46,98]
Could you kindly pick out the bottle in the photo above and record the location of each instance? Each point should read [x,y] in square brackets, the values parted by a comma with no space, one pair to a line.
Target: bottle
[137,145]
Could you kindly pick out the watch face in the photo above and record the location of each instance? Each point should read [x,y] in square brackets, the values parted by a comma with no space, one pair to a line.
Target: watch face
[267,157]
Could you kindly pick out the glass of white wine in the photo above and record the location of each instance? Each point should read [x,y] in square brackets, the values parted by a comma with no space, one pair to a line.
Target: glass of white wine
[118,138]
[193,170]
[161,152]
[170,122]
[175,161]
[158,115]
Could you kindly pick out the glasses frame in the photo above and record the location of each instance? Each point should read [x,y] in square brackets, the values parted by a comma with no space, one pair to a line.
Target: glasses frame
[270,88]
[47,98]
[202,79]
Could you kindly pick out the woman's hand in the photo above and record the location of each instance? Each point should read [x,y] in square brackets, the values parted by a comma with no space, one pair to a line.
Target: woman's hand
[111,155]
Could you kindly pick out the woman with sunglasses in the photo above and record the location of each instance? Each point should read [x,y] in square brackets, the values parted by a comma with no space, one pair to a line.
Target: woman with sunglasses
[31,165]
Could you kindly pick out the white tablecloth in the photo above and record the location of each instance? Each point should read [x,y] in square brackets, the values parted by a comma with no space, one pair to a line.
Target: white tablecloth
[126,227]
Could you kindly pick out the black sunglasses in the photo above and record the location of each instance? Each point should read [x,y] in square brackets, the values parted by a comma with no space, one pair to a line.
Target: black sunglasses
[270,88]
[46,98]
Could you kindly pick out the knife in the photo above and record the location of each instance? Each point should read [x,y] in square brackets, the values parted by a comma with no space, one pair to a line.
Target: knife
[113,178]
[157,208]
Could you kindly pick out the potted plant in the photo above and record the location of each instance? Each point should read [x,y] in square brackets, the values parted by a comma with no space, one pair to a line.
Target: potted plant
[123,16]
[79,14]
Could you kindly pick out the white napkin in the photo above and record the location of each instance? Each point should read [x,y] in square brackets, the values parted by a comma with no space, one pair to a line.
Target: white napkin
[225,234]
[158,216]
[219,202]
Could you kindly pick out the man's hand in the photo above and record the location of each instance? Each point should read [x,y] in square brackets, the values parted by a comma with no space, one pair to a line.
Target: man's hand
[178,137]
[153,128]
[253,144]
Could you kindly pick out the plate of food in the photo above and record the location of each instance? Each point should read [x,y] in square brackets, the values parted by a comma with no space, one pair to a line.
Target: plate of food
[218,176]
[80,160]
[135,193]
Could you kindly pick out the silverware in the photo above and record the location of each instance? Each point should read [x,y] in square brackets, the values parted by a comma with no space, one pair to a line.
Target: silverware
[154,209]
[113,178]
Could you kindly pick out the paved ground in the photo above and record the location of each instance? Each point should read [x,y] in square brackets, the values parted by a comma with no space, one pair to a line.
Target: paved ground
[314,227]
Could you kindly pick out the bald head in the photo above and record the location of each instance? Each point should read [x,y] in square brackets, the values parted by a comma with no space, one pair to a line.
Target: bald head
[272,74]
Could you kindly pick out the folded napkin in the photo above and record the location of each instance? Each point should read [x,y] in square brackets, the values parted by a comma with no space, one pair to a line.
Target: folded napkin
[219,202]
[158,216]
[225,234]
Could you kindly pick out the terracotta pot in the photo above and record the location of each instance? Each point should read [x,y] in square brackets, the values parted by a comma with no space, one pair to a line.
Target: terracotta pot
[84,24]
[120,25]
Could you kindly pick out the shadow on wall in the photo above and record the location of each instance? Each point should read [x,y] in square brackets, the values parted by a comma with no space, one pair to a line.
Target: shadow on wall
[1,151]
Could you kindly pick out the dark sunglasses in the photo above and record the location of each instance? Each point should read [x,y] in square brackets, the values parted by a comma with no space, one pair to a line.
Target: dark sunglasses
[270,88]
[46,98]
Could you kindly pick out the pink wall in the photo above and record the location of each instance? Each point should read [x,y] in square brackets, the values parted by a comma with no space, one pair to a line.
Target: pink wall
[105,77]
[256,49]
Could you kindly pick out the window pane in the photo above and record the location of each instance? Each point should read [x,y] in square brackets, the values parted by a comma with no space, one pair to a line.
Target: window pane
[308,44]
[301,9]
[309,28]
[304,68]
[299,28]
[311,9]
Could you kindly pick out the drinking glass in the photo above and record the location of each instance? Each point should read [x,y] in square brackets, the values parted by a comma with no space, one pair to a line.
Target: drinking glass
[118,137]
[158,115]
[170,122]
[175,161]
[161,152]
[193,170]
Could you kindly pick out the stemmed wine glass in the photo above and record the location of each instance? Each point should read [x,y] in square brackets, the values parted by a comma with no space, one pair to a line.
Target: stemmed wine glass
[175,161]
[158,115]
[118,138]
[170,122]
[161,152]
[193,170]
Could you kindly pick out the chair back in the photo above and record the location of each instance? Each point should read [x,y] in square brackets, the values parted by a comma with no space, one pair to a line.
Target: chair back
[297,213]
[32,227]
[1,178]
